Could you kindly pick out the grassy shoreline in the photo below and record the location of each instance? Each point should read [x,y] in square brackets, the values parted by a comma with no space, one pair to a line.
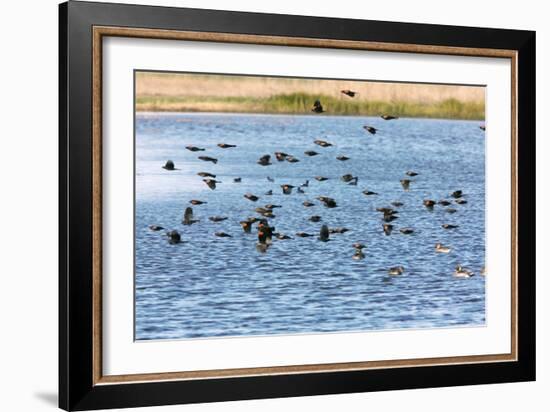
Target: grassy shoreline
[301,103]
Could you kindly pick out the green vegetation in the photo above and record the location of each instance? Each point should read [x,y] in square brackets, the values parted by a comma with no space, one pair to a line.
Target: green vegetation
[301,103]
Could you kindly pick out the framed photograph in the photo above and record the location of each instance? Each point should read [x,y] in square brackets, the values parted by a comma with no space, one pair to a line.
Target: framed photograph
[256,206]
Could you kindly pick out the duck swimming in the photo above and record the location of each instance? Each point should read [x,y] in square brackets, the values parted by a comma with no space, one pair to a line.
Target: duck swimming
[328,201]
[457,194]
[406,230]
[397,204]
[292,159]
[300,190]
[281,236]
[461,201]
[311,153]
[389,117]
[387,229]
[444,202]
[442,249]
[268,193]
[411,173]
[173,237]
[320,178]
[347,178]
[217,219]
[448,226]
[197,202]
[270,179]
[338,230]
[315,218]
[169,165]
[369,193]
[226,146]
[396,270]
[342,158]
[461,272]
[237,180]
[308,204]
[221,234]
[155,228]
[303,234]
[429,203]
[251,197]
[322,143]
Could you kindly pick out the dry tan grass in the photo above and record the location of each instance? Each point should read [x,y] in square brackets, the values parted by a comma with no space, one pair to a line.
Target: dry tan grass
[190,85]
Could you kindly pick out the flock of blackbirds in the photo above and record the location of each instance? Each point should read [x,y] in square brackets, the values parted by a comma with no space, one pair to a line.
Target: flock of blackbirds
[266,232]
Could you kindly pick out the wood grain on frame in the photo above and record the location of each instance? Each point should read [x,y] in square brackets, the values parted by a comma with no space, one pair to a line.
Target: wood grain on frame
[100,31]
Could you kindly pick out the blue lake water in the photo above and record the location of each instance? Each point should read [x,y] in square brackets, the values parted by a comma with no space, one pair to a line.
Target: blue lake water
[208,286]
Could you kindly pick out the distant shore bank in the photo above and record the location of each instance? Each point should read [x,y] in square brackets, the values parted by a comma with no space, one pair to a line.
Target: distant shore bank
[172,92]
[300,103]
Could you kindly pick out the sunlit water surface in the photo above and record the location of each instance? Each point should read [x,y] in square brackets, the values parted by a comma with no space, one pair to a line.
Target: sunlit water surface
[208,286]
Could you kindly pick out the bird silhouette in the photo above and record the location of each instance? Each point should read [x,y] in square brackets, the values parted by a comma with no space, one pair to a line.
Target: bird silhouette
[281,156]
[188,216]
[211,183]
[287,189]
[206,174]
[322,143]
[208,159]
[217,219]
[169,165]
[194,149]
[264,160]
[324,234]
[173,237]
[396,270]
[348,92]
[317,107]
[370,129]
